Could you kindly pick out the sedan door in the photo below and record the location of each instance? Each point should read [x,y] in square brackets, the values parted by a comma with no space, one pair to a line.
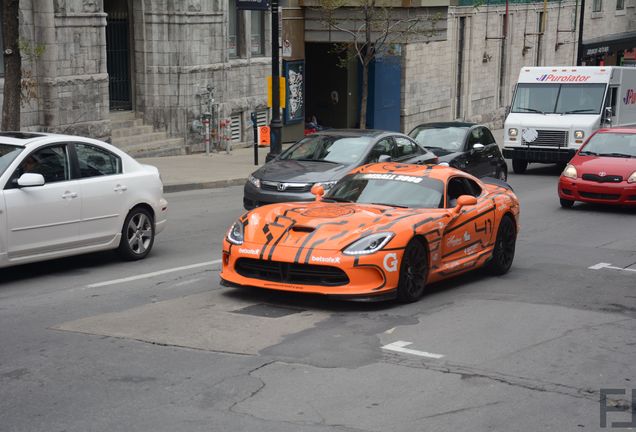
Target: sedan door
[492,153]
[43,219]
[477,162]
[104,193]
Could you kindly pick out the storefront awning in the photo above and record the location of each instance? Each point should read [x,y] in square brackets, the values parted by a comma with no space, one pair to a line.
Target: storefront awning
[609,43]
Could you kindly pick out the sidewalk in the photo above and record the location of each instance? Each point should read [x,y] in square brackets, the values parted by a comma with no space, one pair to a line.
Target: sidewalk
[198,171]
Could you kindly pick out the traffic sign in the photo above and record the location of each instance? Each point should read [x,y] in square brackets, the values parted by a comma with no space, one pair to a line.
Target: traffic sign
[264,136]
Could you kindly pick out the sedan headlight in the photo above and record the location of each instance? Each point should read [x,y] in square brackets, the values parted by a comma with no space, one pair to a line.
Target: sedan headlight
[569,171]
[256,182]
[235,234]
[369,244]
[579,134]
[513,132]
[632,178]
[327,185]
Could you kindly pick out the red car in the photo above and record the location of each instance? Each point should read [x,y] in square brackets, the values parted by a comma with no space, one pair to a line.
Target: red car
[603,171]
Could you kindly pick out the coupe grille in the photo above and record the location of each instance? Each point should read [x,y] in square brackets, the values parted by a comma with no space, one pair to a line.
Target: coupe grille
[552,138]
[285,187]
[602,179]
[301,274]
[599,196]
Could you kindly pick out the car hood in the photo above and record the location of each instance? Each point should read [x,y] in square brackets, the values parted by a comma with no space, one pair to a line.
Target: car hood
[610,165]
[301,171]
[327,226]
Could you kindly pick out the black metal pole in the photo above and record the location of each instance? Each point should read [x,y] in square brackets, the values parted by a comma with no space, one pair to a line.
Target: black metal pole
[255,126]
[579,50]
[276,124]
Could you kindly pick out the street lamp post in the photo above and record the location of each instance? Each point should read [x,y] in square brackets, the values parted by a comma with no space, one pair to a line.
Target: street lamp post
[276,125]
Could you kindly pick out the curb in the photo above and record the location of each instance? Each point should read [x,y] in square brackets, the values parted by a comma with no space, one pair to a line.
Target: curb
[215,184]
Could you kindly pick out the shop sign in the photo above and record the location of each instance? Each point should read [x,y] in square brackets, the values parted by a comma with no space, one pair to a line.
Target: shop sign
[597,50]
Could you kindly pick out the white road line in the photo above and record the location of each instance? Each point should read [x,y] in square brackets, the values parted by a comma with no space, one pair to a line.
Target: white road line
[153,274]
[600,266]
[399,347]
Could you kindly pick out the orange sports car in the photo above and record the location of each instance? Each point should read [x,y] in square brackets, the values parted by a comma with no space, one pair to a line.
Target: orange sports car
[384,231]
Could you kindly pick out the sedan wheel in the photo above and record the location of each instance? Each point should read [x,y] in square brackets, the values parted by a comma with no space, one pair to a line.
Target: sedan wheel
[413,272]
[138,234]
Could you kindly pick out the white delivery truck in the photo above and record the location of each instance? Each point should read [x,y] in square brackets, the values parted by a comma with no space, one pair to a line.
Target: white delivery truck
[554,109]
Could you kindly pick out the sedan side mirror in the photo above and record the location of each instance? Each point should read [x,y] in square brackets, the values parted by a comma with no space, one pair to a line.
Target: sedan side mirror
[478,147]
[384,158]
[31,180]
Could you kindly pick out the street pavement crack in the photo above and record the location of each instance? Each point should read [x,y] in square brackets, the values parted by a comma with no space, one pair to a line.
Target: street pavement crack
[456,411]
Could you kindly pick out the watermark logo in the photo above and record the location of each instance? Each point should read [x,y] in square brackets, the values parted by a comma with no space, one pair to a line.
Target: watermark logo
[617,403]
[630,97]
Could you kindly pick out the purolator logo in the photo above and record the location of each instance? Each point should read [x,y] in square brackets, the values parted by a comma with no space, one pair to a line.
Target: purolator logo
[630,97]
[563,78]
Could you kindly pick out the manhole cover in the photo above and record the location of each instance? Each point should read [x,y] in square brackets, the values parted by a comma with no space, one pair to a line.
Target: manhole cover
[268,311]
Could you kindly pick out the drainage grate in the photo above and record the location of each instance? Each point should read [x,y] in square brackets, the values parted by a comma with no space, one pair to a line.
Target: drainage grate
[268,311]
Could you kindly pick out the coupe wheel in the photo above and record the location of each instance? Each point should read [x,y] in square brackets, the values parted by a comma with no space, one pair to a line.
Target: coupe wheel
[137,235]
[519,166]
[504,252]
[413,272]
[566,203]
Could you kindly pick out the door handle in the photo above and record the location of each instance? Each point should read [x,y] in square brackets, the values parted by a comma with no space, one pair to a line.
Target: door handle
[120,188]
[68,194]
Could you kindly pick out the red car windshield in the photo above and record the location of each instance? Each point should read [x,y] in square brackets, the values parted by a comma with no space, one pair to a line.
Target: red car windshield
[611,144]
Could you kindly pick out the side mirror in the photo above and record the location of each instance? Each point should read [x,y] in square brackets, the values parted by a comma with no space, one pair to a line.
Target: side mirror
[318,190]
[31,180]
[384,158]
[466,200]
[478,147]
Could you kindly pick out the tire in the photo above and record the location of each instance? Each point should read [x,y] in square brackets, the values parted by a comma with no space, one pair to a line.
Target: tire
[566,203]
[413,272]
[137,235]
[519,166]
[504,251]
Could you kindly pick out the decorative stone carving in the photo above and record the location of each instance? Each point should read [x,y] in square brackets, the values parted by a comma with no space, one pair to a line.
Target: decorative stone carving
[194,6]
[89,6]
[59,6]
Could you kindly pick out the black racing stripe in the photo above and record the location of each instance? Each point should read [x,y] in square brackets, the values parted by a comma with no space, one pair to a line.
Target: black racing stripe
[393,222]
[269,236]
[292,223]
[462,248]
[337,236]
[477,216]
[311,235]
[312,247]
[416,225]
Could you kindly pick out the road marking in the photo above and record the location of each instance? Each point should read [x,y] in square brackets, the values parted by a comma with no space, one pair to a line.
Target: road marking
[600,266]
[399,347]
[153,274]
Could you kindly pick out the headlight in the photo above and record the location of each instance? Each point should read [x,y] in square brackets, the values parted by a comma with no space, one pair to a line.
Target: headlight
[632,178]
[369,244]
[256,182]
[569,171]
[235,234]
[327,185]
[579,134]
[513,132]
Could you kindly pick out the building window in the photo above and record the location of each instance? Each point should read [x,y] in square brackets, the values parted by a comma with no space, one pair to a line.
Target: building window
[620,4]
[597,5]
[234,30]
[257,42]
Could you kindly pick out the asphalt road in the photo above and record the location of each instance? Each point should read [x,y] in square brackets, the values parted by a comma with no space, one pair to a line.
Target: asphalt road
[94,344]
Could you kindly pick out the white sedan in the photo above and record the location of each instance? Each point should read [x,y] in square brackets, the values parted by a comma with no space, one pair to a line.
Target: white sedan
[66,195]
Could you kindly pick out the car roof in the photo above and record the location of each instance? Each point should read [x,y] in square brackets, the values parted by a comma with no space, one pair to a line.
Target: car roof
[623,130]
[438,172]
[356,132]
[446,124]
[30,139]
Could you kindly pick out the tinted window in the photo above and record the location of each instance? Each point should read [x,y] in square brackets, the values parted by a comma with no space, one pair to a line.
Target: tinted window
[449,138]
[405,148]
[488,138]
[94,161]
[51,162]
[337,149]
[476,137]
[7,154]
[388,189]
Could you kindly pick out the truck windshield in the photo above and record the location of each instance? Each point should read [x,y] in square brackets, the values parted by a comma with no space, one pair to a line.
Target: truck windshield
[559,98]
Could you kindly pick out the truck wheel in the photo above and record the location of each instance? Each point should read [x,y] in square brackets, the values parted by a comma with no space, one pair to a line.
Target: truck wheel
[519,166]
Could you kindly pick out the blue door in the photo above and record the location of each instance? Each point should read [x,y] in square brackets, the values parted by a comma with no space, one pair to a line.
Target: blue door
[385,77]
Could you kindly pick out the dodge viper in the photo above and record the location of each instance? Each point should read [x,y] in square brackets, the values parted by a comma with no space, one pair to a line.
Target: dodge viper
[385,230]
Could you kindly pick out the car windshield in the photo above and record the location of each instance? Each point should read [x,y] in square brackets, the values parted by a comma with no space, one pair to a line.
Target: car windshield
[611,144]
[394,190]
[327,148]
[7,154]
[449,138]
[559,98]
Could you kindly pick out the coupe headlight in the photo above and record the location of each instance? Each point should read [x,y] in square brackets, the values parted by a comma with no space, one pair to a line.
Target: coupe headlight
[327,185]
[256,182]
[513,132]
[369,244]
[632,178]
[235,234]
[579,134]
[569,171]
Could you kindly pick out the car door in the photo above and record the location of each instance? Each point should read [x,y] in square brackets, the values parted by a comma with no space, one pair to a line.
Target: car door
[104,190]
[492,154]
[43,219]
[476,160]
[466,237]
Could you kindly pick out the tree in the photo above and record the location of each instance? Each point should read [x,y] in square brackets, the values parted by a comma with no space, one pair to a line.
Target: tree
[371,27]
[12,65]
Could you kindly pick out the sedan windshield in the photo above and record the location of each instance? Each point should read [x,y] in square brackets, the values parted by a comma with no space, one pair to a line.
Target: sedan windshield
[327,148]
[393,190]
[611,144]
[7,154]
[450,138]
[559,98]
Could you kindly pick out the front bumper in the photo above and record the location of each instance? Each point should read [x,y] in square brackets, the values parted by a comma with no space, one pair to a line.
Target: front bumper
[622,193]
[533,154]
[254,197]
